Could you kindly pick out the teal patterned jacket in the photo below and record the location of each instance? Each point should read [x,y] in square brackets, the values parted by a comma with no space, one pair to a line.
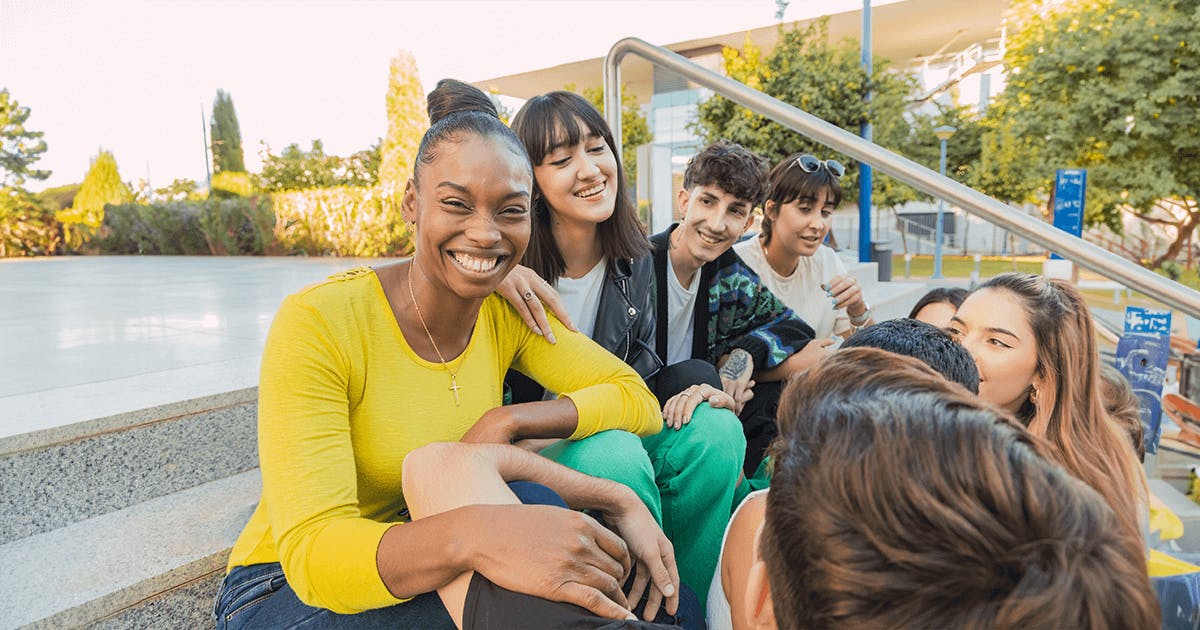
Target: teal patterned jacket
[740,312]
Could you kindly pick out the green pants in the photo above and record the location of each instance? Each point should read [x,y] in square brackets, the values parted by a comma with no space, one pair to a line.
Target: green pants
[686,478]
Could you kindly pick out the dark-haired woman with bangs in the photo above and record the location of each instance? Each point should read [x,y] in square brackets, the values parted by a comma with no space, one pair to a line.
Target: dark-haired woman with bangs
[789,256]
[589,260]
[374,363]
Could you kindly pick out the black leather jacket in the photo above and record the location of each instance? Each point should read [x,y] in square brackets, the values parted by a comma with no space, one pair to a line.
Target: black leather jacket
[624,323]
[625,317]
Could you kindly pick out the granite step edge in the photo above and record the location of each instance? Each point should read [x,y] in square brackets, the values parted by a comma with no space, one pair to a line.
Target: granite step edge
[92,569]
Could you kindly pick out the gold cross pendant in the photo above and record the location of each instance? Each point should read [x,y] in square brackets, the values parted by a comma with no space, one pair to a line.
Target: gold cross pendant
[454,387]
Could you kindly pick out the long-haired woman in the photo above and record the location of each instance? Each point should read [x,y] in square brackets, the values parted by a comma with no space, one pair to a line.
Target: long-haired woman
[589,259]
[1035,345]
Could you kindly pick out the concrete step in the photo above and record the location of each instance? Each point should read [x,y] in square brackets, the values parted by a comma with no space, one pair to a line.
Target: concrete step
[153,564]
[895,299]
[62,475]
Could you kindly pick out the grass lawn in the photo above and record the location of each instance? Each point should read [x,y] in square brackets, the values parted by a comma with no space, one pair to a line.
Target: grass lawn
[962,266]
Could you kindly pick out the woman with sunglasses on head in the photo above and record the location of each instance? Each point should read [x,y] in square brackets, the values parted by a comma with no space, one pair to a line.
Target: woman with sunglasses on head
[789,255]
[364,368]
[590,261]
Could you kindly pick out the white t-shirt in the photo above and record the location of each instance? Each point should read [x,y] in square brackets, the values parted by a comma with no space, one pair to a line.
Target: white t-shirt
[581,296]
[720,615]
[681,305]
[802,290]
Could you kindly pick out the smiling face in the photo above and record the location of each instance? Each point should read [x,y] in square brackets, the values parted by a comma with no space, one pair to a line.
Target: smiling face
[579,182]
[471,208]
[713,220]
[799,226]
[991,324]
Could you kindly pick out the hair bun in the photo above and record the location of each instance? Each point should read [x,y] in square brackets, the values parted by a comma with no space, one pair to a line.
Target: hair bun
[452,96]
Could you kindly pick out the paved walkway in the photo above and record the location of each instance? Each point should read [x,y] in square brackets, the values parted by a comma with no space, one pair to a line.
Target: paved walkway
[90,337]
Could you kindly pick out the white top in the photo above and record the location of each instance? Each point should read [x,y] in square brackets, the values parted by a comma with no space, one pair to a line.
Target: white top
[681,305]
[720,615]
[581,296]
[802,290]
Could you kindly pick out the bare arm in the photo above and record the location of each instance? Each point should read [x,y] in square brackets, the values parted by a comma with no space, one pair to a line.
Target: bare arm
[526,421]
[480,475]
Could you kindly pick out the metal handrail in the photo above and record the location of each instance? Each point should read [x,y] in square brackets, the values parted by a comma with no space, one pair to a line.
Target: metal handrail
[928,181]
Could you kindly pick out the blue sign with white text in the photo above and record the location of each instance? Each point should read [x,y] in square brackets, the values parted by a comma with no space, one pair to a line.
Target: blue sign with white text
[1142,354]
[1070,188]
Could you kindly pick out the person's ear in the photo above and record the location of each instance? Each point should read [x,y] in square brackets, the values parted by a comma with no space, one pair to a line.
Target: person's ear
[408,203]
[683,199]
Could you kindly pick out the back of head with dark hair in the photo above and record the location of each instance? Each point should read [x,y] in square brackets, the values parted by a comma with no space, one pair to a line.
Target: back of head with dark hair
[788,182]
[732,167]
[456,108]
[901,501]
[949,295]
[924,342]
[556,119]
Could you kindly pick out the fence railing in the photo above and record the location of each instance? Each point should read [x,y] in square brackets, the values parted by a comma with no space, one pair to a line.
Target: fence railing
[926,180]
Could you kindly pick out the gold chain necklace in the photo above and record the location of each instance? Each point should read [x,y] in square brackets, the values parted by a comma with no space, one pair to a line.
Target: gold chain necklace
[454,386]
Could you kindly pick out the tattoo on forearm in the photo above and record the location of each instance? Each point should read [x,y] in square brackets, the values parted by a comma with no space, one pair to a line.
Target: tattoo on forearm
[737,365]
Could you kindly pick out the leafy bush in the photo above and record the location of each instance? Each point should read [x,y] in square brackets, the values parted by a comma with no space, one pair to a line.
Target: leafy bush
[230,184]
[27,228]
[340,222]
[215,226]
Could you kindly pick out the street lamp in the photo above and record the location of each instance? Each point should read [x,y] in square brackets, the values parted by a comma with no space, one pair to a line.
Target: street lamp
[943,133]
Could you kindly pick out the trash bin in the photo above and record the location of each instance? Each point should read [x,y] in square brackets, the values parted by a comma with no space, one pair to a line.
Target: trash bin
[881,254]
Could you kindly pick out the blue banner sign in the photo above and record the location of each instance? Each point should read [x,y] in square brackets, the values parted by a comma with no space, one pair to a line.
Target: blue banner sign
[1070,188]
[1142,354]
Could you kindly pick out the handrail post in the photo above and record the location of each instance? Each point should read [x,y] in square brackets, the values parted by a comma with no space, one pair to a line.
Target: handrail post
[612,94]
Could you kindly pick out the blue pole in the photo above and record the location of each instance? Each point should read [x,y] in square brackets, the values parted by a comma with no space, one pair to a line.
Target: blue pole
[864,169]
[937,240]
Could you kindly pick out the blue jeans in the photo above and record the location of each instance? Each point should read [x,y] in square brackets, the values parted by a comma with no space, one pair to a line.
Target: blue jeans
[258,596]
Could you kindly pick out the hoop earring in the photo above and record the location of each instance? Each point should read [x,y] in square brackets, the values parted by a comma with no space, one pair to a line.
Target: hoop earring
[1033,396]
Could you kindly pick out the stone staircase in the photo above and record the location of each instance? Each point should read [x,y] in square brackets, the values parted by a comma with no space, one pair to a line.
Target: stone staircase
[128,523]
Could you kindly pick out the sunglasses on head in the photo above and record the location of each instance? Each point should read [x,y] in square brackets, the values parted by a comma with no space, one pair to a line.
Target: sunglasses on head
[811,164]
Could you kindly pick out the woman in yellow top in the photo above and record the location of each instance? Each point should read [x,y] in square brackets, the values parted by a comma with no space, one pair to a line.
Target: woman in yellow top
[365,367]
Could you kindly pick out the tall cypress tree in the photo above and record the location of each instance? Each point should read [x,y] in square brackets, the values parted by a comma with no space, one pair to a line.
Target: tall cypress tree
[407,122]
[227,152]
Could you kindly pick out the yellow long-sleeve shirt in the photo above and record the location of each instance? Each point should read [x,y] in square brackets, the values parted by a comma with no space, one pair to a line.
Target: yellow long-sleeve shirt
[343,399]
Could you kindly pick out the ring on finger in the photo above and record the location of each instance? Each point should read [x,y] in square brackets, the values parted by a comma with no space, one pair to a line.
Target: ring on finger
[528,295]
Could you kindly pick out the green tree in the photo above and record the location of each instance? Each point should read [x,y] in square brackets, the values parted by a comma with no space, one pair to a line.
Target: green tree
[407,122]
[27,226]
[297,169]
[58,197]
[635,129]
[102,185]
[826,80]
[20,148]
[227,152]
[178,190]
[1110,86]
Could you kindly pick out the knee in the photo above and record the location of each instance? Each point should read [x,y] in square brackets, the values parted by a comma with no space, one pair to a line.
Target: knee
[614,455]
[716,435]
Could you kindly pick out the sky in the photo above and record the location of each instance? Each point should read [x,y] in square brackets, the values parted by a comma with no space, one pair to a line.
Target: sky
[134,77]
